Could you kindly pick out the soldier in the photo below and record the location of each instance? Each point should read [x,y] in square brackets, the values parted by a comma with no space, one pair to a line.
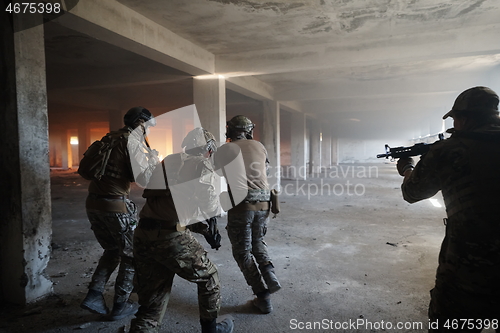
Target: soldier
[113,216]
[464,168]
[247,219]
[163,246]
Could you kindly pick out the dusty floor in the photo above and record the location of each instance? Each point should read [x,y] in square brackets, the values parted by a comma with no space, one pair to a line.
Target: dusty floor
[353,258]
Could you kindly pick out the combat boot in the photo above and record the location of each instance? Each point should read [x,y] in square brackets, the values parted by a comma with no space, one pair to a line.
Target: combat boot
[270,278]
[224,324]
[123,309]
[263,302]
[95,303]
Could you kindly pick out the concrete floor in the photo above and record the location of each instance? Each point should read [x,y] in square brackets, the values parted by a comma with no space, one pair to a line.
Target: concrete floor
[357,254]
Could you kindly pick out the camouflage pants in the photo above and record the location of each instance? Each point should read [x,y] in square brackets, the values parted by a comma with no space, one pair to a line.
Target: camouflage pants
[159,255]
[114,232]
[457,308]
[246,231]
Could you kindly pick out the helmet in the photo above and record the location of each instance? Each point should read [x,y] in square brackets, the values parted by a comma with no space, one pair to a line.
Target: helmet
[478,100]
[239,124]
[199,141]
[136,113]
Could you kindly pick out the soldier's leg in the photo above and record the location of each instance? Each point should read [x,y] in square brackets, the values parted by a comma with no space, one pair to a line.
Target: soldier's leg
[208,288]
[154,284]
[111,256]
[124,238]
[94,300]
[447,316]
[188,259]
[191,263]
[239,230]
[259,250]
[121,226]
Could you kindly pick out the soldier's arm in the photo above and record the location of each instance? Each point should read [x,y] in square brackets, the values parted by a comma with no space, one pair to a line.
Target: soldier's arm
[205,191]
[423,182]
[142,160]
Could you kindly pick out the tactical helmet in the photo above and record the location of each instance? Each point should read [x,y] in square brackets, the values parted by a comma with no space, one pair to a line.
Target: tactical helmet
[477,100]
[239,124]
[199,141]
[136,113]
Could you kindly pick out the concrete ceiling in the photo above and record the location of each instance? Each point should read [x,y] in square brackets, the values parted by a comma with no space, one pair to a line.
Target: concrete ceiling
[389,65]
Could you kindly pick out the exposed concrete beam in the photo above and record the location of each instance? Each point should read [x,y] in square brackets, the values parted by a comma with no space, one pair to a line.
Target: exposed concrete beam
[83,99]
[292,106]
[131,83]
[114,23]
[251,87]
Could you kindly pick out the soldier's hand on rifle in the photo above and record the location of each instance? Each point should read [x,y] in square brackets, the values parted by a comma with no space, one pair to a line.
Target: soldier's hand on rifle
[213,236]
[209,230]
[404,164]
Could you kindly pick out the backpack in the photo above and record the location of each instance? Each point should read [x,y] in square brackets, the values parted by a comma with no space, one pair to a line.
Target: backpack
[95,159]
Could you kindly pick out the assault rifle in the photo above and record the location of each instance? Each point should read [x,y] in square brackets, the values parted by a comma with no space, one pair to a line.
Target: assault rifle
[415,150]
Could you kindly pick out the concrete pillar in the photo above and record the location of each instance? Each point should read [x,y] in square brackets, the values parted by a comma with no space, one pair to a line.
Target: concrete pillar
[335,150]
[326,146]
[70,149]
[271,140]
[65,150]
[25,212]
[210,99]
[209,96]
[116,119]
[83,138]
[298,168]
[315,148]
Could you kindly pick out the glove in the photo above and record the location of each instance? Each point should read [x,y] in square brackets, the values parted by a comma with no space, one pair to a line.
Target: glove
[405,163]
[212,235]
[153,157]
[209,230]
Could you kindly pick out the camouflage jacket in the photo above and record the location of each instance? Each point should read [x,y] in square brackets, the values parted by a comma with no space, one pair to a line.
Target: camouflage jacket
[465,168]
[182,189]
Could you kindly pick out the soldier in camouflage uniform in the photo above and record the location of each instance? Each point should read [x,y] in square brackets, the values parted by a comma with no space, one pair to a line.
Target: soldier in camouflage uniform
[465,168]
[164,247]
[247,220]
[113,218]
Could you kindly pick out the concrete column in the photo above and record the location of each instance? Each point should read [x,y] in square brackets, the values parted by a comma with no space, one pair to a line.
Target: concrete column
[65,150]
[209,96]
[298,168]
[326,146]
[335,150]
[83,138]
[116,119]
[25,212]
[315,147]
[210,99]
[70,149]
[271,140]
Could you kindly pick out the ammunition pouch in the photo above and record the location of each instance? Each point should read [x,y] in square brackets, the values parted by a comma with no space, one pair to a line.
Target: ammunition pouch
[275,202]
[258,195]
